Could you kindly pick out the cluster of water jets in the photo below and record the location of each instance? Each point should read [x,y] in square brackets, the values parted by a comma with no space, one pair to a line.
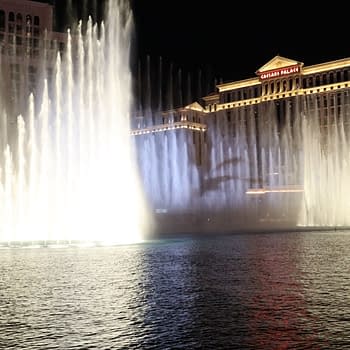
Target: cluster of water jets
[70,174]
[282,169]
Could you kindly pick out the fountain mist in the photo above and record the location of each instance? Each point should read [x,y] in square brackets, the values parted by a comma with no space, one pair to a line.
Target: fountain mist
[70,173]
[280,164]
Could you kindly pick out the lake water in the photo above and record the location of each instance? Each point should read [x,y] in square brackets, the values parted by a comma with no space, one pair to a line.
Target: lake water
[245,291]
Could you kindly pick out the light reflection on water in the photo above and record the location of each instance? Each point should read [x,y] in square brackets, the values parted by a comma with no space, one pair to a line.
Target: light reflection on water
[249,291]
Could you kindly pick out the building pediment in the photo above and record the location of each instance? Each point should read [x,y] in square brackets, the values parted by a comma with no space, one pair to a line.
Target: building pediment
[195,106]
[278,62]
[279,67]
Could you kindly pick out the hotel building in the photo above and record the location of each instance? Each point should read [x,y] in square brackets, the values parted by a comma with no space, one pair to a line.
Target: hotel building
[231,152]
[250,141]
[26,35]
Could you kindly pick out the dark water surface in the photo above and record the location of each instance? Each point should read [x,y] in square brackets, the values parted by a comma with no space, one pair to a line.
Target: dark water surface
[249,291]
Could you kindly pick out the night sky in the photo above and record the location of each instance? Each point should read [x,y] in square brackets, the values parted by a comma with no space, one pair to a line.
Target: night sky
[230,43]
[235,42]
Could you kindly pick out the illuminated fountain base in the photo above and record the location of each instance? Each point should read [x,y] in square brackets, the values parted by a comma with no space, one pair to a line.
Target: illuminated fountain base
[64,244]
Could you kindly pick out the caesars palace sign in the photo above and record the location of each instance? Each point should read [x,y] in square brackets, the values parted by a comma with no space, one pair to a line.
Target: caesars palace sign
[276,73]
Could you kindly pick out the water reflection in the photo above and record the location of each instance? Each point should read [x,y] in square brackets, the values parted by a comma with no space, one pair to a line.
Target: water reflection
[324,262]
[279,309]
[69,298]
[264,291]
[169,294]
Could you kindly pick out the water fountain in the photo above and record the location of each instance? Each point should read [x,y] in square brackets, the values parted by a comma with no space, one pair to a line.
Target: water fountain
[68,174]
[68,168]
[265,167]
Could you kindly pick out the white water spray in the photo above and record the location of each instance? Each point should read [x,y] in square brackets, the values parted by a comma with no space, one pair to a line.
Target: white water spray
[71,175]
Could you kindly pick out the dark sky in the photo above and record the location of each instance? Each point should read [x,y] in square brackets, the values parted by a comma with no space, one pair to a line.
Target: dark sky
[231,41]
[236,40]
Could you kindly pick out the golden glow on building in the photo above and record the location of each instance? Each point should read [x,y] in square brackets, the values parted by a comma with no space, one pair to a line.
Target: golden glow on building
[168,127]
[289,189]
[281,89]
[280,78]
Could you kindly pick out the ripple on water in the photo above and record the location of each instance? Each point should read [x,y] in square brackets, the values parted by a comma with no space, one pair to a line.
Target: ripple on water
[264,291]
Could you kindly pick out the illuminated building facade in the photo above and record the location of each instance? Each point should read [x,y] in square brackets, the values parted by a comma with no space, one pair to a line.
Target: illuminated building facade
[282,92]
[232,152]
[26,36]
[249,141]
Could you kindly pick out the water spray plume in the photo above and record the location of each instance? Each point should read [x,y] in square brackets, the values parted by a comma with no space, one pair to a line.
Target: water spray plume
[71,174]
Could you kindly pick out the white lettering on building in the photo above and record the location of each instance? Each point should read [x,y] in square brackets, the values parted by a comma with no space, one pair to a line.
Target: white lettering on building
[280,72]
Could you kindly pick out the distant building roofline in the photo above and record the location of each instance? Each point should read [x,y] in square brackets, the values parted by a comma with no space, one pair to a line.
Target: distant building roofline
[305,70]
[26,3]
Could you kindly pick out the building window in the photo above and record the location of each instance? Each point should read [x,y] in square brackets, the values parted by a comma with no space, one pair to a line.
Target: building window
[284,85]
[338,77]
[310,82]
[265,89]
[304,83]
[234,96]
[2,20]
[324,79]
[19,18]
[36,21]
[256,92]
[278,87]
[11,17]
[318,80]
[11,28]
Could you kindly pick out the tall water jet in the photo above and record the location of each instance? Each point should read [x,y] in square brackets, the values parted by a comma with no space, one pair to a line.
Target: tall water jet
[69,172]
